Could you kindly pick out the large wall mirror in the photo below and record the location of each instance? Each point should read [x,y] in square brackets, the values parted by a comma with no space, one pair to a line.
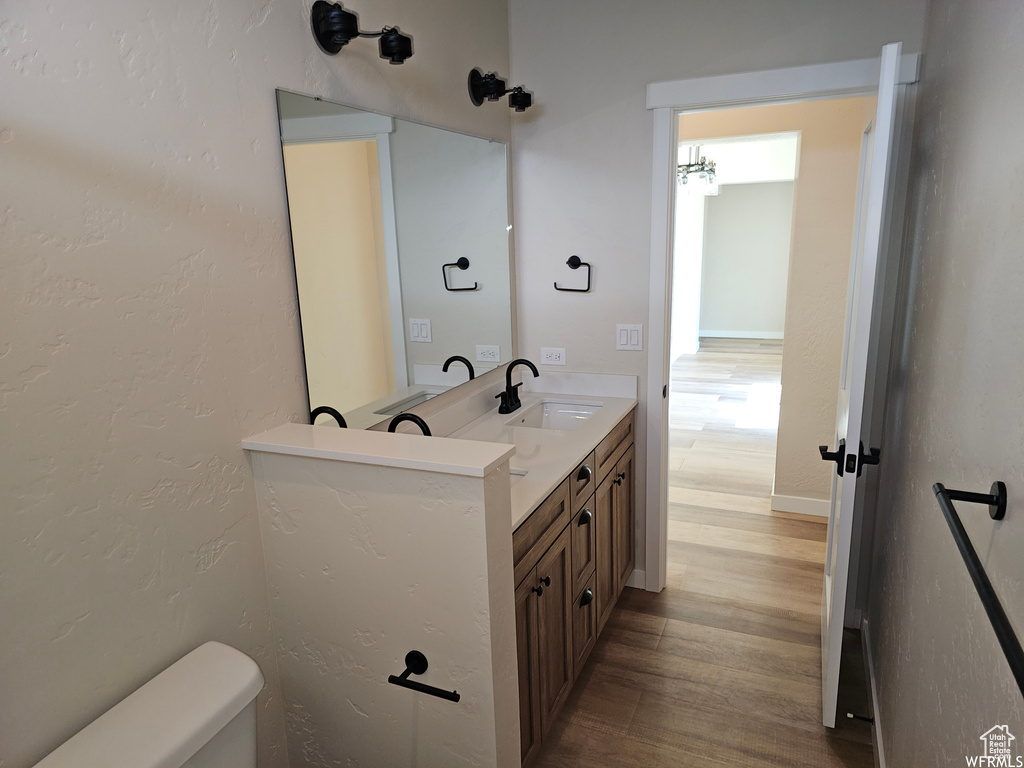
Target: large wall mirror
[400,234]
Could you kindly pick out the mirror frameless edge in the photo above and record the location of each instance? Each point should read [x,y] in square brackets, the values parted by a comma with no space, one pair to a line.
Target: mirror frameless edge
[400,241]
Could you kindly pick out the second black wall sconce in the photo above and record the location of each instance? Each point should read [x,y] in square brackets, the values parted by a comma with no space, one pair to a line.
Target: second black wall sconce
[334,27]
[491,87]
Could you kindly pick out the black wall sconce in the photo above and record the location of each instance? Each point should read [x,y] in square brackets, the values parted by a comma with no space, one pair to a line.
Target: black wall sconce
[334,27]
[575,262]
[491,87]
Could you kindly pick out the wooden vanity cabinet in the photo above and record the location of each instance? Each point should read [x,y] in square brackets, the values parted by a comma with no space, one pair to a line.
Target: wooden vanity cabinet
[572,557]
[544,635]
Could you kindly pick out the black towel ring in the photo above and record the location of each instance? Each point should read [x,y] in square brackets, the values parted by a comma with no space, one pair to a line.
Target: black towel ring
[462,263]
[575,262]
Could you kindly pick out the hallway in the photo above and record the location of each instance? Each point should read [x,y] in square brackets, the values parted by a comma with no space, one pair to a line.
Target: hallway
[723,667]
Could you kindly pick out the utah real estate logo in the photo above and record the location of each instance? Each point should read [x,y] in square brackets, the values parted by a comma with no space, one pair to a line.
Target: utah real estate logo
[998,750]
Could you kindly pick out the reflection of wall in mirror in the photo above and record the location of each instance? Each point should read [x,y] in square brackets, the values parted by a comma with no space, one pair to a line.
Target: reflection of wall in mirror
[334,203]
[451,201]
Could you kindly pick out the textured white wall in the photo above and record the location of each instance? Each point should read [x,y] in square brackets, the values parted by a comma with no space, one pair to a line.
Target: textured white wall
[956,411]
[148,309]
[746,259]
[582,155]
[411,560]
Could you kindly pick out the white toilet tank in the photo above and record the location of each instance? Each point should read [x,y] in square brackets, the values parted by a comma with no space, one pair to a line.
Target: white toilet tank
[200,712]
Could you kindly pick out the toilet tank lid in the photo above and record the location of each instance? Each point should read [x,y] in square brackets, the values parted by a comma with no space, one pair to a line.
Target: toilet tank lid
[170,718]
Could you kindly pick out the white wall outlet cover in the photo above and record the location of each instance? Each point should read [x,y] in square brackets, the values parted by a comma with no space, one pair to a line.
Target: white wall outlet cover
[552,356]
[629,337]
[419,330]
[488,353]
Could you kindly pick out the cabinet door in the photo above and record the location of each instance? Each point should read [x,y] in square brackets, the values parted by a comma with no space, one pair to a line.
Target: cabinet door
[554,628]
[603,529]
[529,668]
[584,626]
[624,535]
[584,542]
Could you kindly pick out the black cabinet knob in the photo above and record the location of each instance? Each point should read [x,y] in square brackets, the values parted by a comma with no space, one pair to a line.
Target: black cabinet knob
[585,517]
[546,581]
[587,597]
[538,590]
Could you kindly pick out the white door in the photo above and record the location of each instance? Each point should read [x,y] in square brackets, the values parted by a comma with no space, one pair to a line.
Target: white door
[869,242]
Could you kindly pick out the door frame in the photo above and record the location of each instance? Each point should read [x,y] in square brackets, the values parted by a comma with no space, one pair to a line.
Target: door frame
[667,100]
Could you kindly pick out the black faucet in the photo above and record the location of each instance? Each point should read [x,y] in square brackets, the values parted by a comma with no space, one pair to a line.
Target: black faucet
[510,397]
[409,417]
[459,359]
[327,409]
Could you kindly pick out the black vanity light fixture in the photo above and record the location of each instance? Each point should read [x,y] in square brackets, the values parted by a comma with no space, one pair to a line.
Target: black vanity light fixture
[334,27]
[491,87]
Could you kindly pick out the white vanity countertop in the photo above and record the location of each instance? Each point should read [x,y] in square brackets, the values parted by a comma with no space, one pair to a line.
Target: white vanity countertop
[362,446]
[546,455]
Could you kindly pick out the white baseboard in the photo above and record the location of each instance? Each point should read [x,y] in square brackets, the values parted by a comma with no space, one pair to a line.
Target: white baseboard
[637,579]
[740,334]
[801,505]
[865,638]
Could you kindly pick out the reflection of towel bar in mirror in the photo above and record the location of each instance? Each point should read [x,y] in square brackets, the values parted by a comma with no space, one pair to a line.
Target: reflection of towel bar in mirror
[575,262]
[462,263]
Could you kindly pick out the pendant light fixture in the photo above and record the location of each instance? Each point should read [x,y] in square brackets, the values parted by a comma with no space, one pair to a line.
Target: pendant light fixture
[334,27]
[698,176]
[491,87]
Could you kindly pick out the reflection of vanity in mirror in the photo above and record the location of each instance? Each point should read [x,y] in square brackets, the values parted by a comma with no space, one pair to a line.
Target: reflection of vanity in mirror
[400,236]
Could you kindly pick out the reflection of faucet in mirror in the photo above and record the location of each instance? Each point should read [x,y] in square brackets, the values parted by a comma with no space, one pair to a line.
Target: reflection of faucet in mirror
[328,410]
[459,359]
[409,417]
[510,397]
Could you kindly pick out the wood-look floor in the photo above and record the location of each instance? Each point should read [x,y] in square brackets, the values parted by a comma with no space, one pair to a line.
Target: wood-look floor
[723,668]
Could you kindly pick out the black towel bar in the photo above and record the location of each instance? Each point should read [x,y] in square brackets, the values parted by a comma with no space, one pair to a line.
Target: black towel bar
[416,664]
[996,501]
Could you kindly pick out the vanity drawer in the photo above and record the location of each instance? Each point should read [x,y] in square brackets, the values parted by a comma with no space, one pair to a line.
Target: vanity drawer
[584,546]
[539,531]
[584,626]
[582,481]
[612,447]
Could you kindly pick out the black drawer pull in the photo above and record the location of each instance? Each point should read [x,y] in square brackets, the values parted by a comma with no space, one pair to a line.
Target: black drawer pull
[585,473]
[585,517]
[587,597]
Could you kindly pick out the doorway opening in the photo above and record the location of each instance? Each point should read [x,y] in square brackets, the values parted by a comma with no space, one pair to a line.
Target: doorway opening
[761,261]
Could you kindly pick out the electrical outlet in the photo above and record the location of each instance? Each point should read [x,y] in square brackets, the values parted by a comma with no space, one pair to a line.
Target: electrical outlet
[552,356]
[629,337]
[419,330]
[488,353]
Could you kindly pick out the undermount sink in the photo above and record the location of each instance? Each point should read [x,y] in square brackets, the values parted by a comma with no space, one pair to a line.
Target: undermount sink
[515,475]
[554,414]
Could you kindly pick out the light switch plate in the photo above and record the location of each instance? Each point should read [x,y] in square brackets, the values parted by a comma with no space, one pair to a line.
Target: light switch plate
[488,353]
[419,330]
[552,356]
[629,337]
